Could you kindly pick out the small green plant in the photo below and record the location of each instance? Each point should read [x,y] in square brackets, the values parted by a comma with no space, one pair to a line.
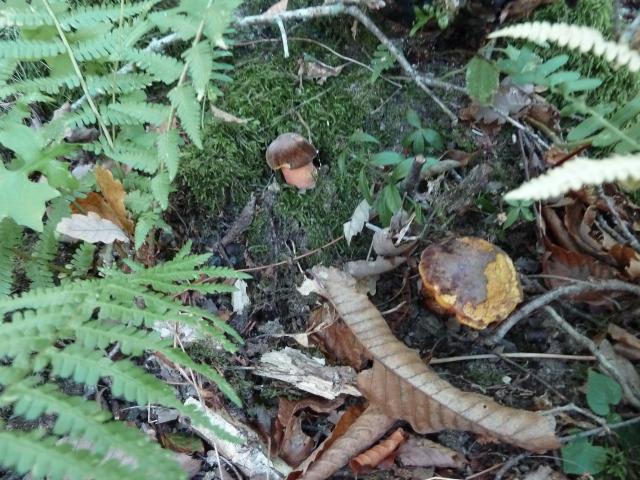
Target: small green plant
[426,14]
[519,210]
[382,60]
[421,140]
[580,456]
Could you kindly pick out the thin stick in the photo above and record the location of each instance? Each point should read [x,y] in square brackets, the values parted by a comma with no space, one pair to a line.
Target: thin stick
[606,364]
[359,15]
[294,259]
[533,356]
[547,298]
[600,430]
[76,68]
[509,464]
[630,237]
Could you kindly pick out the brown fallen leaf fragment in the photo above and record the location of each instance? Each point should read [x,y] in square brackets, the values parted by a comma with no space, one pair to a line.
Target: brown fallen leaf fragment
[470,278]
[629,378]
[108,204]
[368,427]
[312,69]
[518,9]
[421,452]
[344,423]
[336,340]
[405,388]
[227,117]
[291,443]
[544,472]
[376,455]
[277,8]
[627,344]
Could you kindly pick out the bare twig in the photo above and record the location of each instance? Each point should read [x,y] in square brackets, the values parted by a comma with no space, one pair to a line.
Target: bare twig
[413,178]
[600,430]
[399,56]
[630,237]
[547,298]
[630,394]
[532,356]
[509,464]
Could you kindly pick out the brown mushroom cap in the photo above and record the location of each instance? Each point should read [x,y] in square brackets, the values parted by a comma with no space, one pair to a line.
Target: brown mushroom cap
[470,278]
[290,150]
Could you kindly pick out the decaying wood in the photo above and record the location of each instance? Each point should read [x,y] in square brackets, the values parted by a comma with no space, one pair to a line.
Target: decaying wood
[406,388]
[250,456]
[308,374]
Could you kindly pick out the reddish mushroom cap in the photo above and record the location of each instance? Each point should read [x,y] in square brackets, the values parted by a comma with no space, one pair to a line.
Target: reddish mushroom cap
[290,150]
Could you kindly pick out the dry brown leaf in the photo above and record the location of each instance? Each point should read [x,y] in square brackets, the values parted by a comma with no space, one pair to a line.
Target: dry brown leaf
[560,264]
[344,423]
[407,389]
[627,344]
[277,8]
[367,428]
[227,117]
[370,459]
[470,278]
[292,444]
[421,452]
[109,203]
[518,9]
[312,69]
[544,472]
[336,340]
[544,113]
[91,228]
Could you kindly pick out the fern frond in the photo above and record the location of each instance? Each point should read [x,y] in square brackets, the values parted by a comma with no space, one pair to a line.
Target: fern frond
[87,16]
[576,173]
[183,99]
[83,420]
[169,152]
[10,238]
[30,50]
[167,69]
[82,260]
[152,113]
[37,267]
[44,457]
[575,37]
[184,26]
[200,60]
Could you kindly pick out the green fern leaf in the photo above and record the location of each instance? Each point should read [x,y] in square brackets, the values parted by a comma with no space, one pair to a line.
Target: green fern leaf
[152,113]
[184,26]
[200,60]
[166,69]
[169,151]
[44,457]
[183,99]
[160,187]
[82,260]
[10,239]
[30,50]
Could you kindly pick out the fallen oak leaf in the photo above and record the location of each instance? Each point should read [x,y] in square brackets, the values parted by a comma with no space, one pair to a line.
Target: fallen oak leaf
[91,228]
[405,388]
[627,344]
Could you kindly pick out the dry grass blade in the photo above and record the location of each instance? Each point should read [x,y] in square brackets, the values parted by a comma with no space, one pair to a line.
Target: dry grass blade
[406,388]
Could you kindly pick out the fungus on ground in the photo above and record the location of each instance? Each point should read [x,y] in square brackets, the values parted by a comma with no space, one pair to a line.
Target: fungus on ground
[470,278]
[293,154]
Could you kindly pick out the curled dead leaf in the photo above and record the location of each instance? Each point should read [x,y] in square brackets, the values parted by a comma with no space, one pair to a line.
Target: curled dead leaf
[374,456]
[405,388]
[470,278]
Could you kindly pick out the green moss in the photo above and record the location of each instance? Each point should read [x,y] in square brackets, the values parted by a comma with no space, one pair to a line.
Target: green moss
[267,92]
[618,85]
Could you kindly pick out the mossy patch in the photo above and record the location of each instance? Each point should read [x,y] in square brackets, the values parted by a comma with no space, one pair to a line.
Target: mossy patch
[618,85]
[267,91]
